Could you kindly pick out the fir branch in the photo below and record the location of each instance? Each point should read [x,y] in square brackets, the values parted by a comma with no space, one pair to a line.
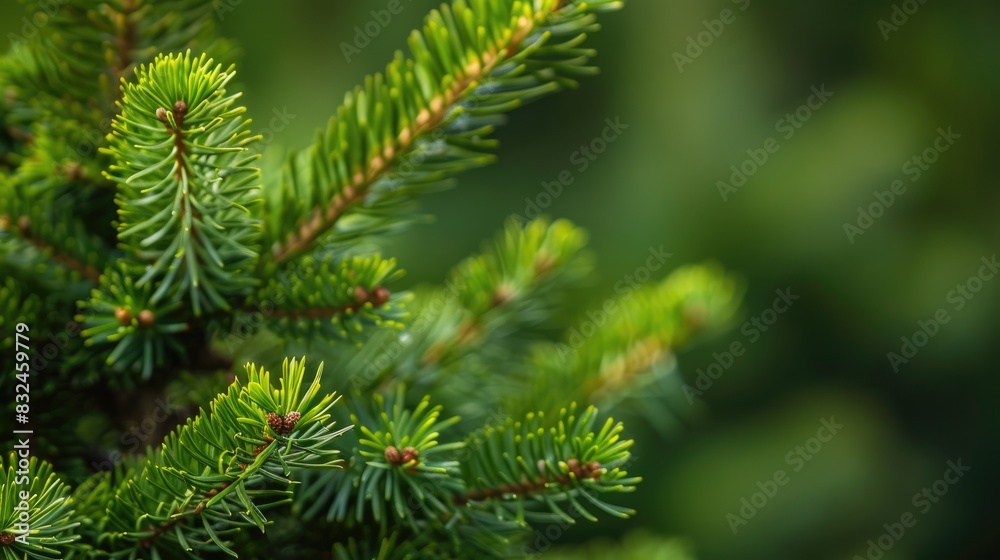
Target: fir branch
[520,464]
[620,373]
[375,298]
[87,46]
[142,334]
[491,302]
[401,449]
[575,470]
[332,298]
[36,513]
[24,229]
[622,356]
[185,182]
[471,62]
[226,465]
[512,284]
[16,305]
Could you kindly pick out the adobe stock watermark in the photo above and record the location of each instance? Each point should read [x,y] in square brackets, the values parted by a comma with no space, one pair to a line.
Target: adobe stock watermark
[752,329]
[913,168]
[786,126]
[696,44]
[364,34]
[625,288]
[900,16]
[280,119]
[48,349]
[581,159]
[923,501]
[797,458]
[958,297]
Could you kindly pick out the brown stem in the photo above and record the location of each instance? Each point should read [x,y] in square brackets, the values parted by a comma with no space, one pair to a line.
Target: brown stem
[525,487]
[470,329]
[177,130]
[179,517]
[378,297]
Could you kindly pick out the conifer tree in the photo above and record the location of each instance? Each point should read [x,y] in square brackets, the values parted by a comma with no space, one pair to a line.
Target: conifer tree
[146,255]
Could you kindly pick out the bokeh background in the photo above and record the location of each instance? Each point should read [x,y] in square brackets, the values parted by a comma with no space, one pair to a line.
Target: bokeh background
[656,184]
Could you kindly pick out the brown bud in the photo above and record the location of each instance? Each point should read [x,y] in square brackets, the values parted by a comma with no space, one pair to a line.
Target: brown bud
[146,318]
[259,449]
[593,470]
[393,455]
[360,294]
[161,114]
[275,422]
[573,465]
[124,316]
[291,419]
[180,108]
[409,454]
[24,225]
[380,296]
[7,538]
[73,171]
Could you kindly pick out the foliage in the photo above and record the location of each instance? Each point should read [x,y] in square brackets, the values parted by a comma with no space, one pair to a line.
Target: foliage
[135,219]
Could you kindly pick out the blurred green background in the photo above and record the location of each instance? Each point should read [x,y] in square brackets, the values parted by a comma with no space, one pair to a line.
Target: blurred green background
[657,184]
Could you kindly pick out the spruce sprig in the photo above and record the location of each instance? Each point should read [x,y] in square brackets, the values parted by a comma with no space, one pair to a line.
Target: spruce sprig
[221,470]
[186,182]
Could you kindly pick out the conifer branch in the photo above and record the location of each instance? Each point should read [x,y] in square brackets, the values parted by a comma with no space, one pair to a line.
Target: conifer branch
[194,159]
[331,299]
[510,287]
[377,297]
[528,488]
[450,459]
[437,108]
[620,373]
[651,324]
[471,62]
[41,525]
[24,228]
[226,465]
[530,462]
